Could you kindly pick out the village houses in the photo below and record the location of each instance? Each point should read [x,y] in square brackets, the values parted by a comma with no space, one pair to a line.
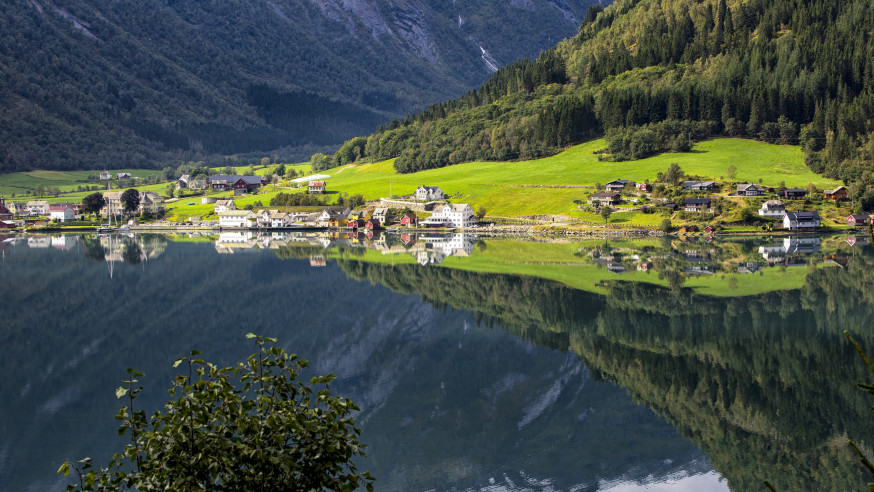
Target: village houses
[451,215]
[151,202]
[838,194]
[316,188]
[858,220]
[62,212]
[238,219]
[746,189]
[602,198]
[794,194]
[240,184]
[697,205]
[105,176]
[698,185]
[224,206]
[38,207]
[772,208]
[619,184]
[383,215]
[801,220]
[429,193]
[273,219]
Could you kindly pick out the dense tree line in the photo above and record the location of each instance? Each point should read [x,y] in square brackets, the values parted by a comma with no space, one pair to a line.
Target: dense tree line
[783,71]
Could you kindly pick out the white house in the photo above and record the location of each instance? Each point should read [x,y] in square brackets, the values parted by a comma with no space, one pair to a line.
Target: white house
[429,193]
[801,220]
[452,215]
[238,218]
[62,212]
[383,215]
[224,206]
[773,208]
[105,175]
[746,189]
[151,202]
[38,207]
[273,219]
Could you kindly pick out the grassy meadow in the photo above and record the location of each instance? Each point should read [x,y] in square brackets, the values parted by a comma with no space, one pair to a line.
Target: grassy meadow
[507,188]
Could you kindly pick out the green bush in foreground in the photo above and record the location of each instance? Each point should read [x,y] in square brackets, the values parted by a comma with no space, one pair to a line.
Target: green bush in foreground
[250,427]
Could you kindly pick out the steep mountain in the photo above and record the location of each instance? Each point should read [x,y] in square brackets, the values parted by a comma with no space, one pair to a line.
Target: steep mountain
[652,74]
[93,83]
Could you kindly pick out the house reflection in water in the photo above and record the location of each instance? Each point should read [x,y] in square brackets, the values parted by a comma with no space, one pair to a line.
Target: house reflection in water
[792,246]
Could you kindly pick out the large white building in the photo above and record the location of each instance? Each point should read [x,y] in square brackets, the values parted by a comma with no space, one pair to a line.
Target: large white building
[451,215]
[238,219]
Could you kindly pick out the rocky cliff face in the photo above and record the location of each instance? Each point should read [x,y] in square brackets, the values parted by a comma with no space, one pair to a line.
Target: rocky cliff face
[94,83]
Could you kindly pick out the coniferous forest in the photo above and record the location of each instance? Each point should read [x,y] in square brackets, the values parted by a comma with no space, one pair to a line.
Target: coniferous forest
[651,76]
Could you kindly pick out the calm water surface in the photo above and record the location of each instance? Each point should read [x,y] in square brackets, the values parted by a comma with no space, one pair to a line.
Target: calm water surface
[478,365]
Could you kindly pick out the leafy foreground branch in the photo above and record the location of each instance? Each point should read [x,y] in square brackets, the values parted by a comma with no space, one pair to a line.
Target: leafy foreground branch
[250,427]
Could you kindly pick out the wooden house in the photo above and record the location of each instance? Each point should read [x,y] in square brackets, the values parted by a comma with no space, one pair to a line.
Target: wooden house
[794,194]
[372,224]
[697,205]
[601,198]
[356,223]
[410,220]
[618,185]
[838,194]
[746,189]
[858,220]
[644,187]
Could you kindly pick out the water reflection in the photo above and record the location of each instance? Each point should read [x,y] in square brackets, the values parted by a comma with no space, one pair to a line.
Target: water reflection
[763,384]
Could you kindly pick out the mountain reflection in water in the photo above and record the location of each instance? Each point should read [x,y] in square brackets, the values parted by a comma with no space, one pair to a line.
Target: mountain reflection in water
[734,344]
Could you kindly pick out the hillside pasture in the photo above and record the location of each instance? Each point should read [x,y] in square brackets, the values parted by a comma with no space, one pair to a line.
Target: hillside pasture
[506,188]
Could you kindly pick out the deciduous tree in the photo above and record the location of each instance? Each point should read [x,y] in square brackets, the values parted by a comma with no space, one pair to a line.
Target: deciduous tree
[249,427]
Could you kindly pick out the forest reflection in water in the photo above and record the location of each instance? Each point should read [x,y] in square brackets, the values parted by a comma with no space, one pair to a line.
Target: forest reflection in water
[763,382]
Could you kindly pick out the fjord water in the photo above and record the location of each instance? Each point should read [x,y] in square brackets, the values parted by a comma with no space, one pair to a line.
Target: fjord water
[467,379]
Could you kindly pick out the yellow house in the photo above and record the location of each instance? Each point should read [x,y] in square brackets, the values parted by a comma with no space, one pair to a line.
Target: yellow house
[337,222]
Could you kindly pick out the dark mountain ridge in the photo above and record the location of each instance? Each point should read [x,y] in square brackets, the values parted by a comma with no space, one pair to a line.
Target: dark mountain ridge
[94,83]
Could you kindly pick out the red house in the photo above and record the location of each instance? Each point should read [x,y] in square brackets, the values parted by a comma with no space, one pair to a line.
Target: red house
[710,228]
[410,220]
[857,220]
[7,224]
[372,224]
[408,239]
[644,187]
[355,223]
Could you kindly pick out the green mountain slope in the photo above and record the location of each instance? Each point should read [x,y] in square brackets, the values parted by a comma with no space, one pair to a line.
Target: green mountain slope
[651,75]
[97,83]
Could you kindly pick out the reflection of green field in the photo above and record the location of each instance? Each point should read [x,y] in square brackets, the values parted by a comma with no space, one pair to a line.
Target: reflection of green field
[495,185]
[558,262]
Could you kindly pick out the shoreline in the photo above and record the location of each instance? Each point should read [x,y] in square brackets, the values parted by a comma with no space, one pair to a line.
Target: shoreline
[490,230]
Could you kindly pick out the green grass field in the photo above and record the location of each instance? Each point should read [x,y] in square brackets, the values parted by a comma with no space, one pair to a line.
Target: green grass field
[498,186]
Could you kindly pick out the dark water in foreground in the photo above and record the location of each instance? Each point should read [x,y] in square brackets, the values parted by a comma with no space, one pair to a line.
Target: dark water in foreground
[466,380]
